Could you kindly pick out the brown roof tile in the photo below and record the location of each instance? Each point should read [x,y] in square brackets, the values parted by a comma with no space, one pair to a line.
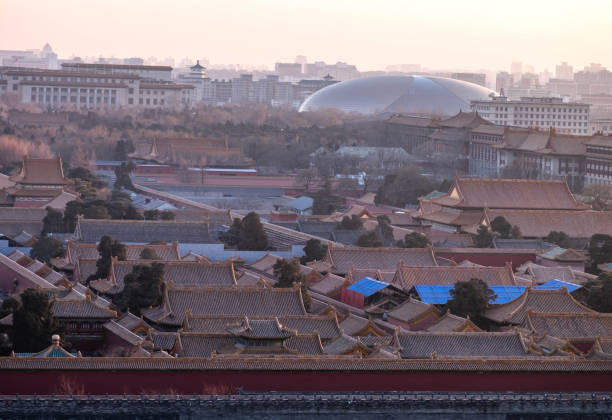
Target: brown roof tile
[41,172]
[573,325]
[241,301]
[510,194]
[412,309]
[345,258]
[407,277]
[419,345]
[554,301]
[539,223]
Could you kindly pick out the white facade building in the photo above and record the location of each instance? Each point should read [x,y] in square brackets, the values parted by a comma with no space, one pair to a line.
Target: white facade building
[60,89]
[541,113]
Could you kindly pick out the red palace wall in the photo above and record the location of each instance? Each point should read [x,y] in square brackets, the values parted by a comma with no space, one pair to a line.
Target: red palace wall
[202,382]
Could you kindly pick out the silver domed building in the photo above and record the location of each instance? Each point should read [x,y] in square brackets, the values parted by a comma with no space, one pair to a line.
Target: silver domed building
[415,95]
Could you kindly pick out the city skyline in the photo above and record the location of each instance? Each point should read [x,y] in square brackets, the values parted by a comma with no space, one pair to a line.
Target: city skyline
[432,35]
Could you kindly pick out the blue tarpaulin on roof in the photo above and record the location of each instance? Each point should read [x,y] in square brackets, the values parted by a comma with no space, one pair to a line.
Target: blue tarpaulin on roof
[367,286]
[440,294]
[555,284]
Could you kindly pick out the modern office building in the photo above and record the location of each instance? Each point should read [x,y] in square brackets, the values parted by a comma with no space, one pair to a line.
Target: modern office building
[542,113]
[63,89]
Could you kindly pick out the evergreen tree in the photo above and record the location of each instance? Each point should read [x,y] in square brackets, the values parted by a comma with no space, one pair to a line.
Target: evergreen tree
[501,226]
[561,239]
[107,248]
[403,187]
[252,235]
[314,250]
[33,322]
[288,273]
[352,223]
[46,248]
[483,238]
[597,294]
[369,240]
[53,222]
[144,287]
[148,254]
[600,251]
[324,202]
[414,240]
[470,298]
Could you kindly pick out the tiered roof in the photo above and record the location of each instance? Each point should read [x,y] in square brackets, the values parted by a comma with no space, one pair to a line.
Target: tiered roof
[237,301]
[552,301]
[480,193]
[41,172]
[407,277]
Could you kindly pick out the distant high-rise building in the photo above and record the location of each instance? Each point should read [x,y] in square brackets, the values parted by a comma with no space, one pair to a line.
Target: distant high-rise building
[594,68]
[503,80]
[564,71]
[477,78]
[516,67]
[301,59]
[288,69]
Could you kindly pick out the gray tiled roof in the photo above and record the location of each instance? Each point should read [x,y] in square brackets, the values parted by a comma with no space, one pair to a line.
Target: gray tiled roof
[459,344]
[555,301]
[240,301]
[144,231]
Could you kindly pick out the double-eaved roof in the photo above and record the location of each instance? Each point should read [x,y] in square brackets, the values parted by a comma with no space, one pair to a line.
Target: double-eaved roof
[36,171]
[496,193]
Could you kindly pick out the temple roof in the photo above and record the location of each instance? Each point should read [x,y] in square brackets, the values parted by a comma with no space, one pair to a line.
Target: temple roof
[242,301]
[570,325]
[452,323]
[539,223]
[260,329]
[169,252]
[461,344]
[325,325]
[193,273]
[407,277]
[412,309]
[143,231]
[497,193]
[553,301]
[345,258]
[41,172]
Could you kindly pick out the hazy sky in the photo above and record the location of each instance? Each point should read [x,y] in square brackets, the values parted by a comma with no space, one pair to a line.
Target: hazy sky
[468,34]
